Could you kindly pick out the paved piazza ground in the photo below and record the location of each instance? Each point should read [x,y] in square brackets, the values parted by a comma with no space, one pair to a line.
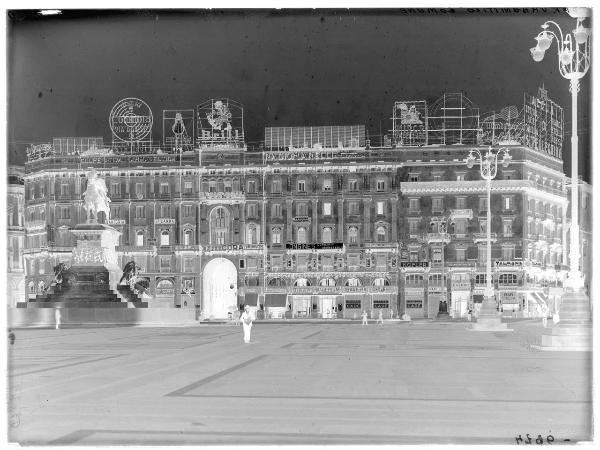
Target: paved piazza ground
[308,383]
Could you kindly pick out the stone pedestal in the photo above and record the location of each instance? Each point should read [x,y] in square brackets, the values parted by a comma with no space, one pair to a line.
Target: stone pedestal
[91,281]
[574,331]
[95,251]
[488,319]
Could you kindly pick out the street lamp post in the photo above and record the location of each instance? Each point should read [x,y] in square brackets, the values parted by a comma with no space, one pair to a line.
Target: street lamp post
[573,62]
[488,319]
[574,51]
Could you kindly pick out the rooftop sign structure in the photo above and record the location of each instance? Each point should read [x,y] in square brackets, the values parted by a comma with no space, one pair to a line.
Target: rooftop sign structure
[452,119]
[130,121]
[324,137]
[220,124]
[178,129]
[539,125]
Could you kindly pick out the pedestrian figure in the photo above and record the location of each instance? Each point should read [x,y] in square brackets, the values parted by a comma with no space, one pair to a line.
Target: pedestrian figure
[380,317]
[391,313]
[57,318]
[556,318]
[469,315]
[11,336]
[364,318]
[246,320]
[544,321]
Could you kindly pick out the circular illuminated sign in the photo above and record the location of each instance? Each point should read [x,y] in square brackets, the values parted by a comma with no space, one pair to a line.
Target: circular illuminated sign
[130,120]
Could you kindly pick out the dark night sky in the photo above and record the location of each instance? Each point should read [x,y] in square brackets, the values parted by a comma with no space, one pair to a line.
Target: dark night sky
[286,67]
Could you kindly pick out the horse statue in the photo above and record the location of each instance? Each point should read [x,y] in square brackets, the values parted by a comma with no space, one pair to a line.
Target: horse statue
[95,197]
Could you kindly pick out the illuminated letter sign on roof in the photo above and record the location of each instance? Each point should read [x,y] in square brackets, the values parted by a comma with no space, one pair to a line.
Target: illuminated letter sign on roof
[220,121]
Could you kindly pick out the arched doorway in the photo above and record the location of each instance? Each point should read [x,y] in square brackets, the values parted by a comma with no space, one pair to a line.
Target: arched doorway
[219,288]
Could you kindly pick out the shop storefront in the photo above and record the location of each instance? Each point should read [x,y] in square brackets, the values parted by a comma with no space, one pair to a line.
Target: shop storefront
[414,302]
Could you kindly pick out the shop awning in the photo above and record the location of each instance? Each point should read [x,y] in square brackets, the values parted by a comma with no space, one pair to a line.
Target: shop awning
[275,300]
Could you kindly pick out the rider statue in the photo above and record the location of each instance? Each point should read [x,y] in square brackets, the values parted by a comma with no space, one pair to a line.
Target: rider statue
[95,197]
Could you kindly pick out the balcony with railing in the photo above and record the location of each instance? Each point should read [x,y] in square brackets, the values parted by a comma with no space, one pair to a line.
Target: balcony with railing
[482,237]
[461,214]
[438,238]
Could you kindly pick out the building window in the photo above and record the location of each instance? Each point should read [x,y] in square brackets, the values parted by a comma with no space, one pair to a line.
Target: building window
[326,235]
[212,187]
[228,186]
[64,190]
[508,253]
[251,234]
[483,225]
[413,177]
[380,185]
[353,185]
[508,203]
[380,208]
[353,208]
[188,210]
[326,209]
[188,264]
[481,279]
[301,235]
[482,253]
[165,264]
[381,237]
[64,212]
[276,186]
[252,187]
[482,203]
[302,209]
[381,282]
[220,218]
[437,177]
[276,210]
[220,237]
[187,237]
[508,279]
[413,204]
[327,185]
[437,204]
[413,227]
[115,189]
[164,188]
[461,203]
[327,282]
[436,255]
[115,212]
[414,280]
[460,176]
[165,211]
[276,235]
[354,282]
[461,254]
[301,186]
[460,226]
[353,235]
[139,190]
[139,238]
[252,210]
[507,228]
[164,237]
[187,187]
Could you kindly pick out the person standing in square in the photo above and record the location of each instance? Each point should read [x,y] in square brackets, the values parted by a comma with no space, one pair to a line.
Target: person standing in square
[246,319]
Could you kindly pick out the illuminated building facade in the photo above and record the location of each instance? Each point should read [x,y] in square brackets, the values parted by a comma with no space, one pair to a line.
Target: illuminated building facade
[318,222]
[15,236]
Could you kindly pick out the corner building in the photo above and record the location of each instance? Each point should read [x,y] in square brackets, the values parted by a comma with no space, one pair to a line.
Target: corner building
[318,223]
